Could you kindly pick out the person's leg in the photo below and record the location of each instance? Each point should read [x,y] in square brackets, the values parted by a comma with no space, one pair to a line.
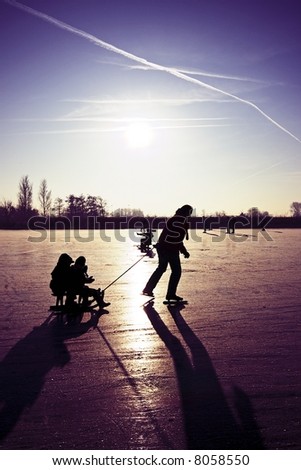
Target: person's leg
[98,296]
[175,276]
[157,274]
[85,294]
[70,298]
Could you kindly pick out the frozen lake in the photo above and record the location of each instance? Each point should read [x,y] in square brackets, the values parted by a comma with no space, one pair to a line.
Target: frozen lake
[221,373]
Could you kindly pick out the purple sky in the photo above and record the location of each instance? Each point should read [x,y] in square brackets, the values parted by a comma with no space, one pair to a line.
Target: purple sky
[217,125]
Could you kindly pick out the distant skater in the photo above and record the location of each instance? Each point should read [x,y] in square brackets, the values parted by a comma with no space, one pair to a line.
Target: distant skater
[169,247]
[231,225]
[77,285]
[206,225]
[146,241]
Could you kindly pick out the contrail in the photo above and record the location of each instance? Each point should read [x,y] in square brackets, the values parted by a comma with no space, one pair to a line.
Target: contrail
[153,65]
[114,120]
[188,72]
[259,172]
[171,101]
[204,74]
[95,130]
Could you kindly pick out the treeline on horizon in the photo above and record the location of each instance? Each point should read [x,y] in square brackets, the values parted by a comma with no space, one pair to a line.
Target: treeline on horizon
[91,212]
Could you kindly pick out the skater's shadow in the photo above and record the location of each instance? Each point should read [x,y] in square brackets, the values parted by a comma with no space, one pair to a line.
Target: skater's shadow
[209,421]
[24,368]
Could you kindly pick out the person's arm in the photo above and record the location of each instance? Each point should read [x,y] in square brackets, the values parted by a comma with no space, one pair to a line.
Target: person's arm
[184,251]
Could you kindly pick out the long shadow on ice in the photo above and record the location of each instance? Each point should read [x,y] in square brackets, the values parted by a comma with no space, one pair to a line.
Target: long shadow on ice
[208,420]
[152,421]
[24,368]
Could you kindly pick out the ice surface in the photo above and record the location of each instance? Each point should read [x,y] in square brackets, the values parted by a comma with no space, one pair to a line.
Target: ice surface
[221,373]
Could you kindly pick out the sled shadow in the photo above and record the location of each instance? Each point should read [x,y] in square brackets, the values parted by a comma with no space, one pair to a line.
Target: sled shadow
[208,420]
[25,367]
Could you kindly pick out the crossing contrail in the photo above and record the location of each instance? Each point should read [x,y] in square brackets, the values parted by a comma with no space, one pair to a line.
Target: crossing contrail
[204,74]
[145,62]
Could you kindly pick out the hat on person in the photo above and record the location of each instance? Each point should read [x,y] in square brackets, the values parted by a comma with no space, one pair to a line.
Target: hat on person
[65,258]
[81,260]
[185,210]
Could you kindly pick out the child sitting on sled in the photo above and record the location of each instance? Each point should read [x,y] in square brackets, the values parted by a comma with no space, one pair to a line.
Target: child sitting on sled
[60,276]
[77,285]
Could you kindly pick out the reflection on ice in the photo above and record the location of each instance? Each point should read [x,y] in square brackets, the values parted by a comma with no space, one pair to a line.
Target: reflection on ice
[224,371]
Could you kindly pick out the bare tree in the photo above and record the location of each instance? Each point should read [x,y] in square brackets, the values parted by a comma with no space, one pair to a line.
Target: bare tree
[255,212]
[7,211]
[101,206]
[7,206]
[296,209]
[128,212]
[92,206]
[85,206]
[25,195]
[44,198]
[58,206]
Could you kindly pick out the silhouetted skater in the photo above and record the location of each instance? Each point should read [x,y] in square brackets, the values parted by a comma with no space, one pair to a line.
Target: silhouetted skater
[206,224]
[146,241]
[169,247]
[77,285]
[231,225]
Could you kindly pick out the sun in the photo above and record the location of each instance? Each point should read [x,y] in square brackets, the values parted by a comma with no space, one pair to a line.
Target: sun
[138,134]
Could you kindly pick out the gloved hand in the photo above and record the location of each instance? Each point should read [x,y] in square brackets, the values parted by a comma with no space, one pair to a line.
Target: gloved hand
[186,255]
